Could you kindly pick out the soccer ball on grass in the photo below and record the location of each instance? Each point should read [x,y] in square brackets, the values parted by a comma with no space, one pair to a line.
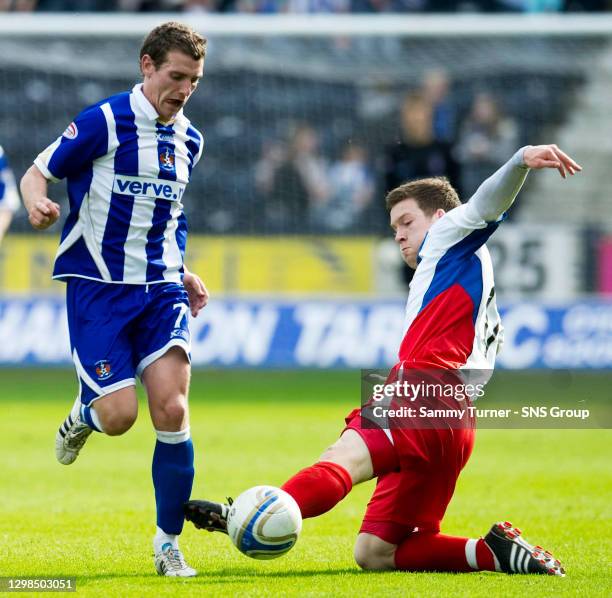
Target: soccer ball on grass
[264,522]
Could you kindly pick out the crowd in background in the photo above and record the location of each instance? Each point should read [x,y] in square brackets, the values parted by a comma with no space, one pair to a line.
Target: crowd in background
[313,145]
[308,6]
[300,187]
[306,180]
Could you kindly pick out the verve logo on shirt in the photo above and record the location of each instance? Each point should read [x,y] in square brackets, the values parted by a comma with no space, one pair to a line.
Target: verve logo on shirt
[146,187]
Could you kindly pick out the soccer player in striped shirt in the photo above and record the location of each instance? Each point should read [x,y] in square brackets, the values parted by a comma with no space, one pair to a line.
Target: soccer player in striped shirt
[127,161]
[451,324]
[9,198]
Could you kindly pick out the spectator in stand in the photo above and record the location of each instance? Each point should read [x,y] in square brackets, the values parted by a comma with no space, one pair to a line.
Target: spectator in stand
[17,5]
[351,190]
[436,89]
[253,6]
[298,184]
[201,6]
[417,153]
[318,6]
[154,5]
[76,5]
[587,5]
[485,139]
[9,196]
[272,156]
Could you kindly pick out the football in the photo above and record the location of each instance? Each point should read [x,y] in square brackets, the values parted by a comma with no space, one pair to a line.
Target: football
[264,522]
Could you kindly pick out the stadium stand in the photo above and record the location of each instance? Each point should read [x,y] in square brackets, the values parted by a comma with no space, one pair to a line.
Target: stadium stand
[348,88]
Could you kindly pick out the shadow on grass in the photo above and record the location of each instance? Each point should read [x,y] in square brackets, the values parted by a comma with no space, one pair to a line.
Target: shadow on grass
[240,575]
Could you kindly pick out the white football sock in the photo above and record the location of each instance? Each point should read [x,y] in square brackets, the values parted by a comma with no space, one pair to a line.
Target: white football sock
[173,437]
[161,538]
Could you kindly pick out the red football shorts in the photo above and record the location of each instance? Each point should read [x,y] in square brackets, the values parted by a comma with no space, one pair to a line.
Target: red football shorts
[417,474]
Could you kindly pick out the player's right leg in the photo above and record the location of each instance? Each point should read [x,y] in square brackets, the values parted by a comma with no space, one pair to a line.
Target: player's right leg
[112,414]
[99,315]
[316,489]
[320,487]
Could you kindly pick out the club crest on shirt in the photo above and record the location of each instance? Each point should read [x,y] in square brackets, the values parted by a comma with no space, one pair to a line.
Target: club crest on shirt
[166,159]
[103,369]
[71,131]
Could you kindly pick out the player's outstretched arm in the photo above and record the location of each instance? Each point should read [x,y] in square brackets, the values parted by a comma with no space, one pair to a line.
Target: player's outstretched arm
[42,212]
[550,156]
[498,192]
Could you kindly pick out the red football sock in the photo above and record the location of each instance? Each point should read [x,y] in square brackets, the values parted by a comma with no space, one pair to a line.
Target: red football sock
[425,551]
[319,488]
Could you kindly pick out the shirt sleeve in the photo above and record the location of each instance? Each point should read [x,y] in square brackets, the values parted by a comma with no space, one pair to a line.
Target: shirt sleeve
[9,198]
[200,149]
[468,227]
[495,195]
[84,140]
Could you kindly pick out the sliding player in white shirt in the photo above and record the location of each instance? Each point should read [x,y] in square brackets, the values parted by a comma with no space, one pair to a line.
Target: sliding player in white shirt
[9,198]
[451,324]
[127,161]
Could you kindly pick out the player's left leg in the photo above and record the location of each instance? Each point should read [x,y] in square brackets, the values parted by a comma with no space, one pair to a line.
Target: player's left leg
[502,549]
[424,551]
[166,381]
[402,522]
[401,527]
[162,348]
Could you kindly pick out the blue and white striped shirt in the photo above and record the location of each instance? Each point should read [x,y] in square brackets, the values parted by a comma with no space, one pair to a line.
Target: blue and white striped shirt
[9,198]
[126,175]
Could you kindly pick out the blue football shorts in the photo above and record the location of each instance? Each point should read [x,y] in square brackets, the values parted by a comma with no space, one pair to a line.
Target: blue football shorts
[117,330]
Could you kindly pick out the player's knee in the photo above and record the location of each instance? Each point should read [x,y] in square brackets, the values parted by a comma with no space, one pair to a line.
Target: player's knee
[369,561]
[174,413]
[372,554]
[118,422]
[353,455]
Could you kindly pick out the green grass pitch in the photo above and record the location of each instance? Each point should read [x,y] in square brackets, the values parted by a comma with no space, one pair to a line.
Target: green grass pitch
[95,519]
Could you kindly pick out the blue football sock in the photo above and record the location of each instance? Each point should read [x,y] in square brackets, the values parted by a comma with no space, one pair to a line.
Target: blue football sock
[172,478]
[90,417]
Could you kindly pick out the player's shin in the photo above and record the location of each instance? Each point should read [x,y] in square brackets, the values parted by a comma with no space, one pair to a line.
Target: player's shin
[173,479]
[423,551]
[319,488]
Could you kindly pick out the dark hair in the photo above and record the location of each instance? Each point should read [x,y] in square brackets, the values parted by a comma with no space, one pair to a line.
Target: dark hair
[430,195]
[173,36]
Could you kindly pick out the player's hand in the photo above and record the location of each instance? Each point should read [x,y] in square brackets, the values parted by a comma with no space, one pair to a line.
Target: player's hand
[43,213]
[550,156]
[196,291]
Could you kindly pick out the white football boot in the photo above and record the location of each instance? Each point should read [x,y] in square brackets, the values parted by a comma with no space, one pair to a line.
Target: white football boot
[171,563]
[71,436]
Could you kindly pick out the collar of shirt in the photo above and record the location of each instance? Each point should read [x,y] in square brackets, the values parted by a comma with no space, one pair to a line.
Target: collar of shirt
[147,107]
